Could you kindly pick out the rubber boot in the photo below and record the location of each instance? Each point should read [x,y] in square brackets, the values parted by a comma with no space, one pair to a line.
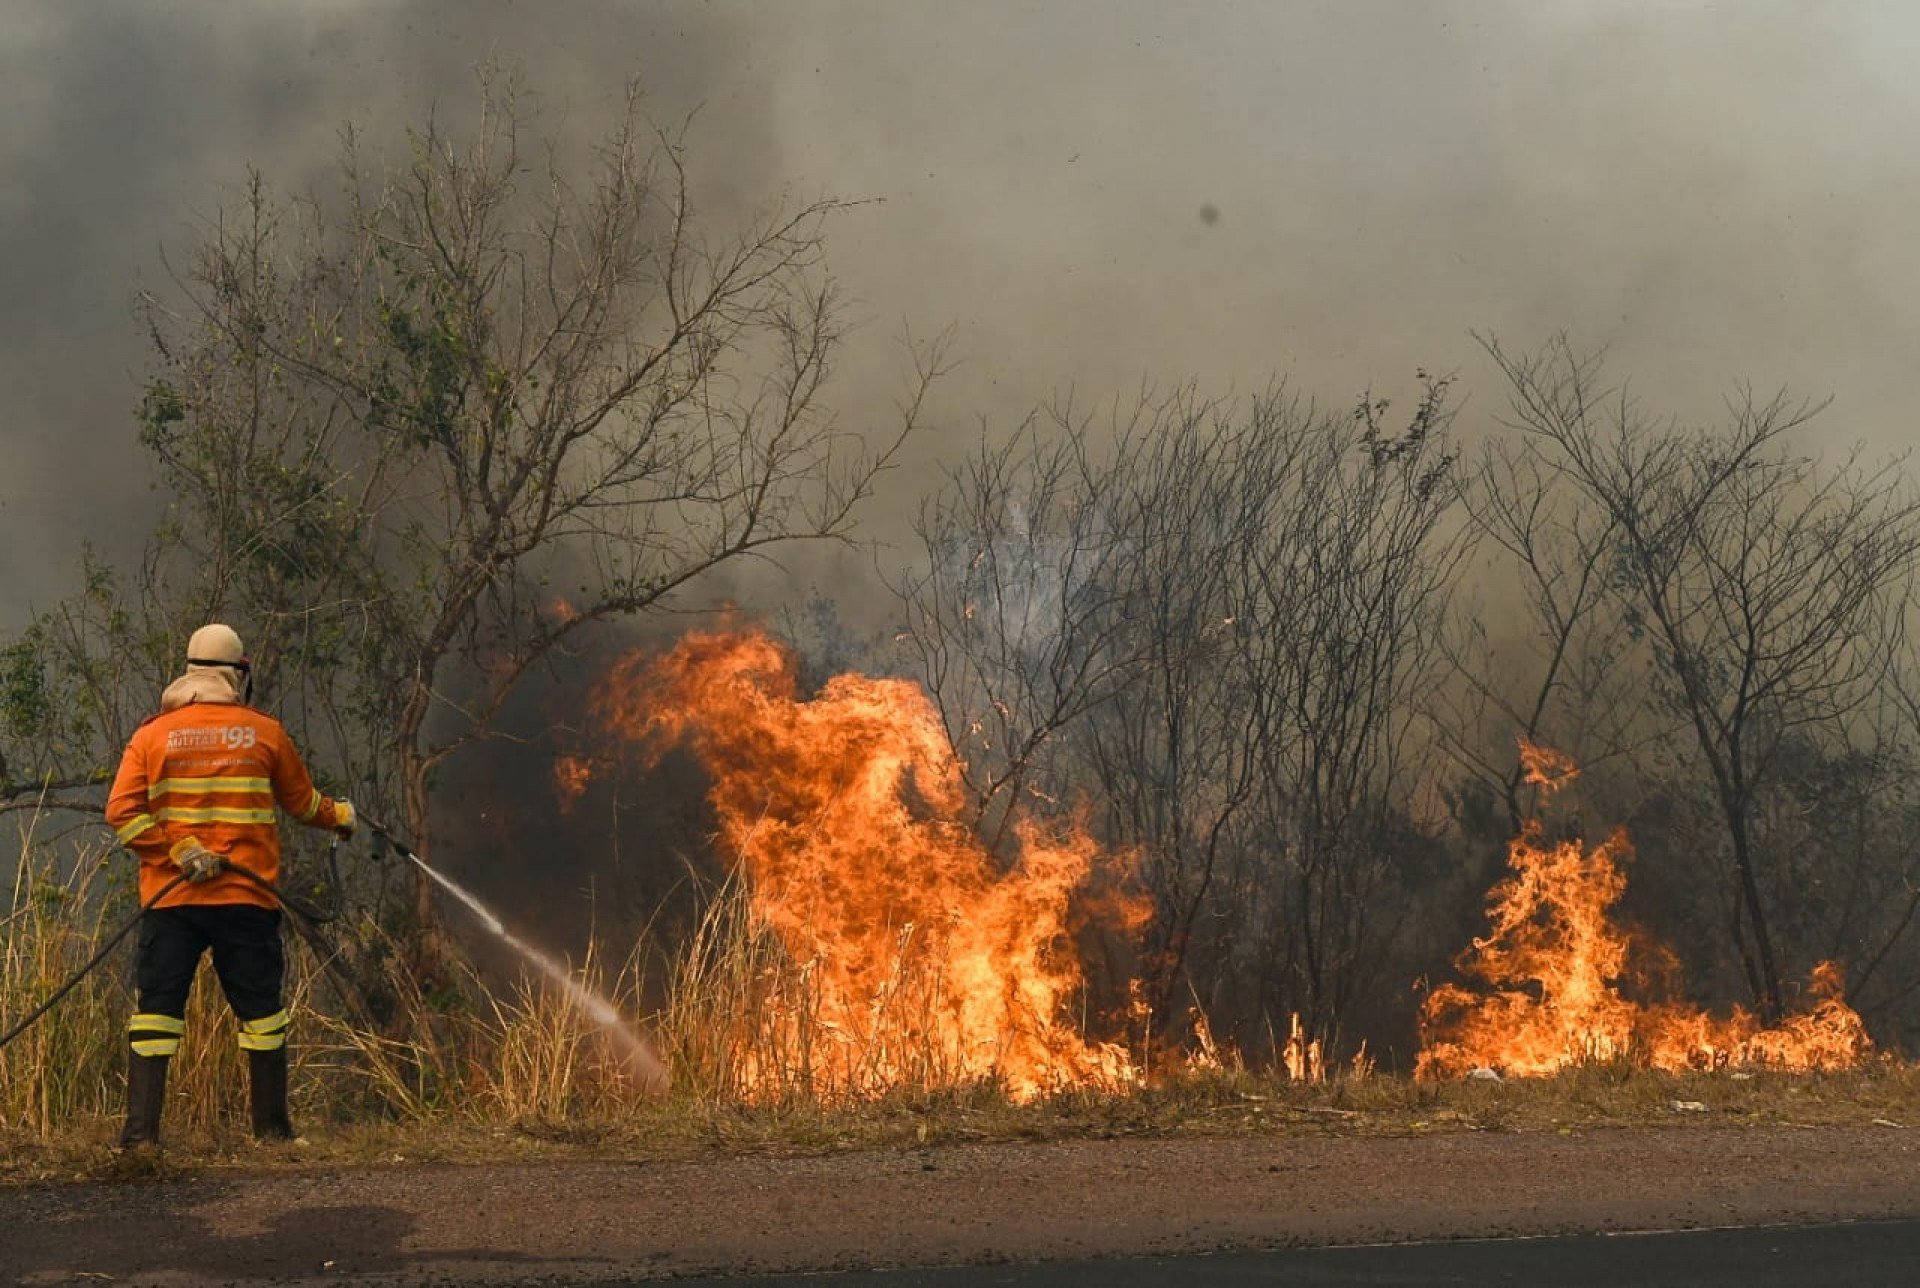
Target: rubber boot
[146,1097]
[267,1082]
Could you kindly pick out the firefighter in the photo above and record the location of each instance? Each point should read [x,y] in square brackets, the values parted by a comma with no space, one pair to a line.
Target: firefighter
[194,797]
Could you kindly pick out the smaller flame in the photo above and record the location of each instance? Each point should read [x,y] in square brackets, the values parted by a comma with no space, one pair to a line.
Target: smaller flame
[1303,1057]
[1545,768]
[1546,979]
[571,775]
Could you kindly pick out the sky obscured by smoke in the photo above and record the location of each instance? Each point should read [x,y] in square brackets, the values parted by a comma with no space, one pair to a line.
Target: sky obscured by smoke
[1093,195]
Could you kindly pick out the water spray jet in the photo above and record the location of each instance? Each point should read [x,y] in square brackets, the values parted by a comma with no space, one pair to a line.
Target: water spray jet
[649,1070]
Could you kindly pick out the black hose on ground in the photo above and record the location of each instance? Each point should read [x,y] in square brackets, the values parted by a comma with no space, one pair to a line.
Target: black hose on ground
[307,912]
[97,958]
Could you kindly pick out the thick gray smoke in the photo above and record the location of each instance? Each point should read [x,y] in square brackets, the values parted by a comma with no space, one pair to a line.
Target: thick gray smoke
[1093,194]
[128,126]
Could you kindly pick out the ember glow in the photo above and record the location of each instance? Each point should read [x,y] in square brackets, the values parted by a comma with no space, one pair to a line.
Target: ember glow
[571,774]
[910,956]
[1544,984]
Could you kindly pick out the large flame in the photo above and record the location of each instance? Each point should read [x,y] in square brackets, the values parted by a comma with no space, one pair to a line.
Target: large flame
[1545,991]
[914,955]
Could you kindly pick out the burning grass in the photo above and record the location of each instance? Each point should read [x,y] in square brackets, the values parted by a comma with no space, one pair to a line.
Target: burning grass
[531,1075]
[1548,986]
[1577,1101]
[878,943]
[868,978]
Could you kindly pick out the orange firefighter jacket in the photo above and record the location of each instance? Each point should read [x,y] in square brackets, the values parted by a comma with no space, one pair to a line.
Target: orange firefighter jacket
[211,768]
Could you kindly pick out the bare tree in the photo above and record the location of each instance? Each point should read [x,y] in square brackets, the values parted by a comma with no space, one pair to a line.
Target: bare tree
[1015,614]
[1171,762]
[1566,670]
[1766,582]
[1233,599]
[1868,870]
[425,433]
[1342,599]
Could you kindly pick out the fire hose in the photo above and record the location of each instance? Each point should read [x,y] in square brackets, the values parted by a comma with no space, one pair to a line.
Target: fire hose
[312,916]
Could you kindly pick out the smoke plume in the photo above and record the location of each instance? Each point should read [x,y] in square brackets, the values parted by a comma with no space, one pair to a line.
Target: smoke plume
[1092,195]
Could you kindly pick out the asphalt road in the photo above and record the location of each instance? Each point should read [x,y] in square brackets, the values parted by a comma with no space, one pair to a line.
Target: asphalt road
[1858,1255]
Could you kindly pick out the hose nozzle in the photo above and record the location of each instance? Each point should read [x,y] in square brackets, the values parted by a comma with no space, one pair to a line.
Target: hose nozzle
[383,839]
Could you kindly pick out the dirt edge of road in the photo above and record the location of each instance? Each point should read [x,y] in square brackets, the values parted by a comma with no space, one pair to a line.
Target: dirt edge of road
[595,1221]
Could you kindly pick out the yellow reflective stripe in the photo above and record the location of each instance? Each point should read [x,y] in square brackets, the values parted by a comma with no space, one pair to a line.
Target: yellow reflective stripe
[141,1027]
[134,827]
[267,1023]
[215,814]
[268,1033]
[209,785]
[313,807]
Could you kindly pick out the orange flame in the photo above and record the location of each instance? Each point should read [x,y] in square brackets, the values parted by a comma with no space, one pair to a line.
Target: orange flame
[1547,978]
[571,776]
[1545,768]
[913,951]
[1302,1056]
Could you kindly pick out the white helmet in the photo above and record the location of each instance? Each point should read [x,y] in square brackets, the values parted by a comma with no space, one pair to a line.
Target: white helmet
[215,645]
[218,646]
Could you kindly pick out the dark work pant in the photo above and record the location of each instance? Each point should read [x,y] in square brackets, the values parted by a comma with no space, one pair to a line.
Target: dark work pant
[247,956]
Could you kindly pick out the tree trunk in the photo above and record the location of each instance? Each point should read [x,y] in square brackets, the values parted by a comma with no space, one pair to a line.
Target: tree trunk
[430,955]
[1772,1001]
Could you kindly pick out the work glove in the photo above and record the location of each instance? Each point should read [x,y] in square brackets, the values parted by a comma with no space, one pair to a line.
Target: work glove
[344,817]
[196,861]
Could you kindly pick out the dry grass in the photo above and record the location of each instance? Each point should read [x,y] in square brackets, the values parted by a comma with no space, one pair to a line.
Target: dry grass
[745,1023]
[678,1128]
[531,1074]
[55,1071]
[65,1075]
